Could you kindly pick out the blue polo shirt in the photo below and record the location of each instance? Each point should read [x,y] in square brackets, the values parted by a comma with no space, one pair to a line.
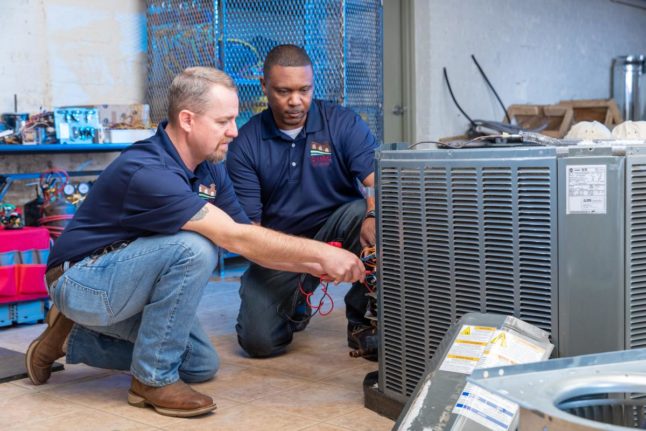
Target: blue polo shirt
[147,190]
[294,185]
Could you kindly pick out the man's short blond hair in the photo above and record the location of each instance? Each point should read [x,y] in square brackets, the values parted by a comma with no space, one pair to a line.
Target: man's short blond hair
[189,90]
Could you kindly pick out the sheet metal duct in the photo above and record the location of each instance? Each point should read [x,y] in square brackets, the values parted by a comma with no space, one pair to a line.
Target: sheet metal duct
[593,392]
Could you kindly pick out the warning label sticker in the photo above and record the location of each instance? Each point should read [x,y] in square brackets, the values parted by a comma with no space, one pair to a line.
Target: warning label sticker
[466,351]
[506,348]
[586,189]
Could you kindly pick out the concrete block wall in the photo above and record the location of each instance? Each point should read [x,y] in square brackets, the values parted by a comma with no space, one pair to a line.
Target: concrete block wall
[533,52]
[68,52]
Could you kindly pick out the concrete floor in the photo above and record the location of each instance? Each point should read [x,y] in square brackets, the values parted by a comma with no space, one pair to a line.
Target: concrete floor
[315,386]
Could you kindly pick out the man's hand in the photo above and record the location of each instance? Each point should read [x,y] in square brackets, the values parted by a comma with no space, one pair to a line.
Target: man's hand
[368,236]
[340,265]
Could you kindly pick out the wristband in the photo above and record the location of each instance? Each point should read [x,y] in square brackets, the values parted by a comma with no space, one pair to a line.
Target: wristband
[370,214]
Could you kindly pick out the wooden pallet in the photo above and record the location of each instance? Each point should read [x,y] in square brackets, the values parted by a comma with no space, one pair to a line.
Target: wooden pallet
[557,119]
[605,111]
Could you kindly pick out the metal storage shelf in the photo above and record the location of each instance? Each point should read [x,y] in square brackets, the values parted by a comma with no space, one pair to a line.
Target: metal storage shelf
[62,148]
[6,179]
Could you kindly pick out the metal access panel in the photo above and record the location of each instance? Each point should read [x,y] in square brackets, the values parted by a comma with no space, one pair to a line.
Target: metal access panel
[584,393]
[433,404]
[461,231]
[635,246]
[591,258]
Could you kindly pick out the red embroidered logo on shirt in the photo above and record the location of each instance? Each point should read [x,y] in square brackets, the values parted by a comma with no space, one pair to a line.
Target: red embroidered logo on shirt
[320,154]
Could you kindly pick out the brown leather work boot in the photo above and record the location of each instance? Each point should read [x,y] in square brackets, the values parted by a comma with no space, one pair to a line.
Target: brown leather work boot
[47,348]
[177,399]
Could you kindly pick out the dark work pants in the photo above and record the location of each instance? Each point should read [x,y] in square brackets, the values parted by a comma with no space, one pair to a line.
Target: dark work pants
[268,297]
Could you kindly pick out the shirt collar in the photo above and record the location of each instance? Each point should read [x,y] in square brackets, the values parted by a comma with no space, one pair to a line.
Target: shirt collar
[313,123]
[172,151]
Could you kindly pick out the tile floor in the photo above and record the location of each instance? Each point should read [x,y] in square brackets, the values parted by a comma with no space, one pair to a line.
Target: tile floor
[315,387]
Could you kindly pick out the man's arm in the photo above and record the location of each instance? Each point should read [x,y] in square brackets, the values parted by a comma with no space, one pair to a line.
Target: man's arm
[241,170]
[358,145]
[369,183]
[369,227]
[276,250]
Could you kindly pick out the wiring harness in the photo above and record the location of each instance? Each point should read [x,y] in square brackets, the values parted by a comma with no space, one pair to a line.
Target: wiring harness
[325,303]
[364,338]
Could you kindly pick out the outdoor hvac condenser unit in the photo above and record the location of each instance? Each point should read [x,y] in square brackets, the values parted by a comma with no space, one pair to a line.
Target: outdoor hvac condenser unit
[555,236]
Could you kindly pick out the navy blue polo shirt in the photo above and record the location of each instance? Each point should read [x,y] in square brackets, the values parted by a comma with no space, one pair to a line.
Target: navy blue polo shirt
[294,185]
[147,190]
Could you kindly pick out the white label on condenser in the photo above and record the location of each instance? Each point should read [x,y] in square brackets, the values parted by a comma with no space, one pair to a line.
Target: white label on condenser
[64,131]
[487,409]
[586,188]
[467,349]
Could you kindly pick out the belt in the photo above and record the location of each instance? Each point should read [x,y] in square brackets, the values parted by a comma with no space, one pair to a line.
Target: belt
[54,273]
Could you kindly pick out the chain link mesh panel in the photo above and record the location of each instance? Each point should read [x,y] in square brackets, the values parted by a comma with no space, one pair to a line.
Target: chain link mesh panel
[181,34]
[342,37]
[363,62]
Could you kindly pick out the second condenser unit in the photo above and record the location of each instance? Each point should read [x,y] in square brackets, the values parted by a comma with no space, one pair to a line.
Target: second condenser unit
[555,236]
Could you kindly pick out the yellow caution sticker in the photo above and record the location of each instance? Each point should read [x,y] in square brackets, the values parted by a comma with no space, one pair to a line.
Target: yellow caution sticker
[467,349]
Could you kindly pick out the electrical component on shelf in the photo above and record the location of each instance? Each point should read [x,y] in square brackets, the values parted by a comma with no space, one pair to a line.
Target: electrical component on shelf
[133,116]
[10,218]
[39,129]
[125,123]
[15,121]
[103,123]
[77,125]
[28,129]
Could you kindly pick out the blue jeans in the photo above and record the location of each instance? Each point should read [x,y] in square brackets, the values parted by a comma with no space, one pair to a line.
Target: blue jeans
[269,299]
[135,309]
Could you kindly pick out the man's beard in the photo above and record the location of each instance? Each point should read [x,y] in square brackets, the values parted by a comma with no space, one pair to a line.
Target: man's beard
[216,157]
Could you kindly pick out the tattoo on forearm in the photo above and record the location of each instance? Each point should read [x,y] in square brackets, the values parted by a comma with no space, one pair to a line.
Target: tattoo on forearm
[200,214]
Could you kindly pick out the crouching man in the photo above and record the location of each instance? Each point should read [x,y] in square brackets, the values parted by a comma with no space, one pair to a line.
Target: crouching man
[127,275]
